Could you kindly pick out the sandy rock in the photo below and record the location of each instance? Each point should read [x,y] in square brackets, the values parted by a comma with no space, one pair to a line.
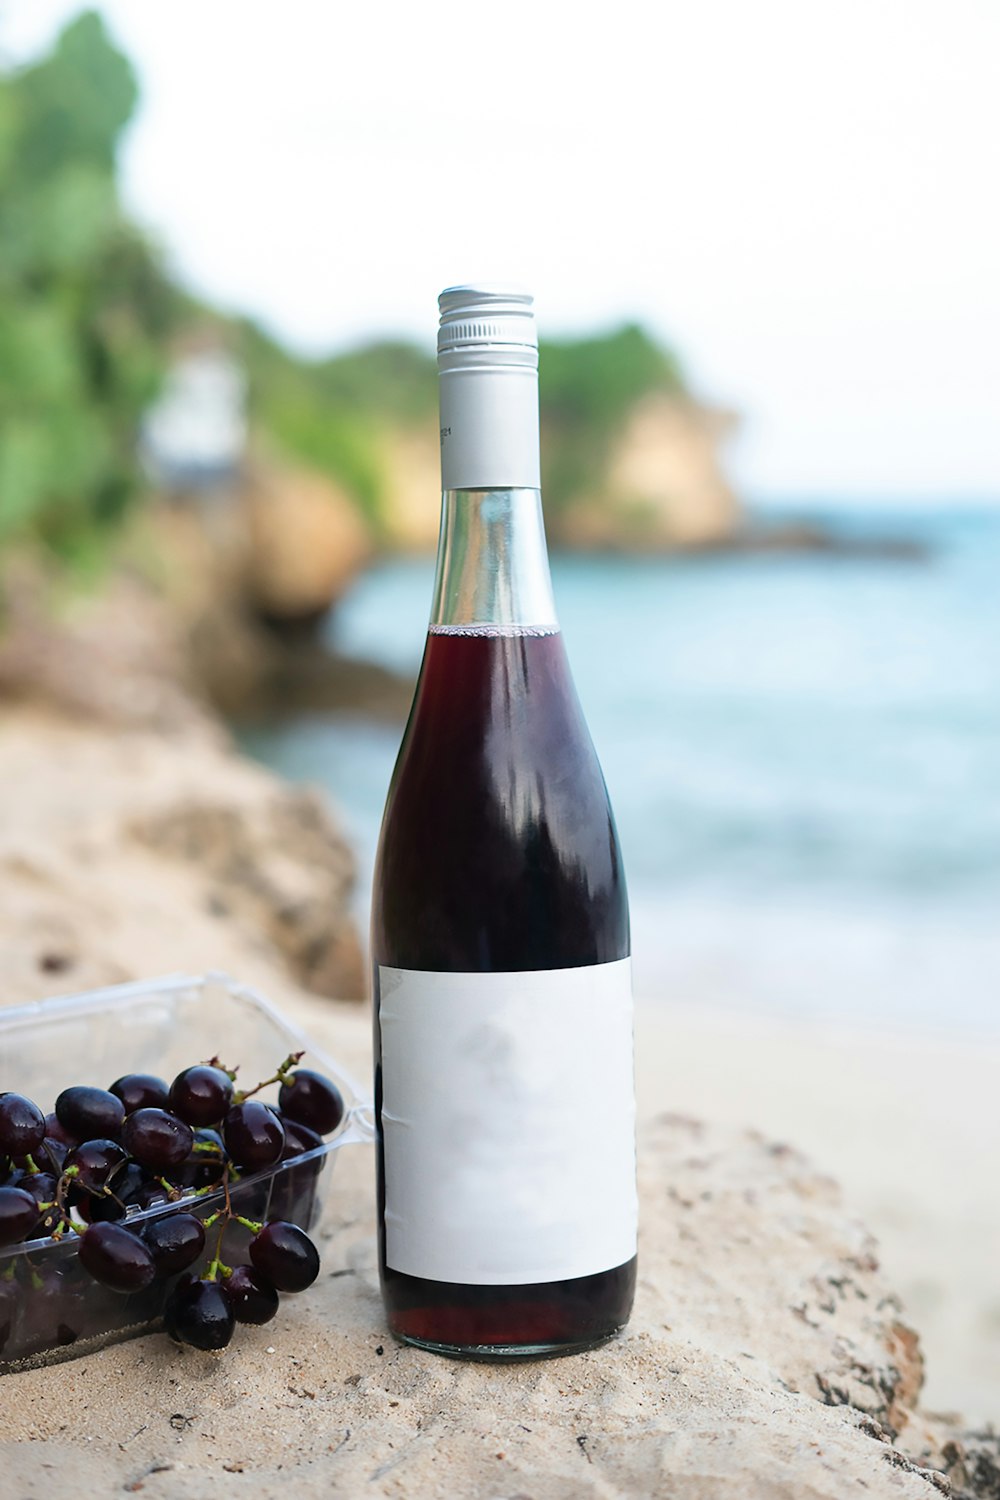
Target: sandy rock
[307,541]
[120,848]
[116,658]
[665,486]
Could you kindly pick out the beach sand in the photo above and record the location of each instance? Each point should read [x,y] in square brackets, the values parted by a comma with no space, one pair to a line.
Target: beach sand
[907,1122]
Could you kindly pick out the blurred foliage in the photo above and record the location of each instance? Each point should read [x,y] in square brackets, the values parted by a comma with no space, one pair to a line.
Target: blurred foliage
[88,319]
[84,308]
[588,388]
[332,413]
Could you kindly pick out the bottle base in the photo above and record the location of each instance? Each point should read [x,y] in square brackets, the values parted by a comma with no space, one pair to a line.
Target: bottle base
[504,1354]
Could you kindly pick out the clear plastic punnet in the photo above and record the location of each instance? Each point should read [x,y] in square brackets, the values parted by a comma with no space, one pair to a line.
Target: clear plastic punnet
[50,1308]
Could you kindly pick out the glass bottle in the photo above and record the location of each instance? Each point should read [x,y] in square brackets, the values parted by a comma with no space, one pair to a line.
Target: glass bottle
[500,930]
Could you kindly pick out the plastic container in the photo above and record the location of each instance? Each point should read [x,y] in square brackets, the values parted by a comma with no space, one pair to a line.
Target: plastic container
[50,1308]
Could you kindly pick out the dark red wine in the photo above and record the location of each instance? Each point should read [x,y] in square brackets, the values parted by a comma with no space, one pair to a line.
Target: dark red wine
[498,855]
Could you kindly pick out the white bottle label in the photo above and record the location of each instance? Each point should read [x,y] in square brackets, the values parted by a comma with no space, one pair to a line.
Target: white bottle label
[508,1120]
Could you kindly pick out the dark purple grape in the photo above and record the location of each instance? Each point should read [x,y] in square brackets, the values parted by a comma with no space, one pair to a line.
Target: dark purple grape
[175,1241]
[201,1095]
[254,1300]
[116,1258]
[285,1256]
[54,1310]
[157,1139]
[93,1163]
[54,1153]
[312,1100]
[140,1091]
[206,1164]
[41,1185]
[18,1214]
[253,1134]
[22,1126]
[199,1313]
[55,1130]
[298,1138]
[10,1299]
[90,1114]
[150,1194]
[125,1187]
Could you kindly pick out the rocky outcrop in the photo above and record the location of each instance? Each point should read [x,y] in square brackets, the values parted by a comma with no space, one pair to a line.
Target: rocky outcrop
[136,849]
[307,542]
[665,486]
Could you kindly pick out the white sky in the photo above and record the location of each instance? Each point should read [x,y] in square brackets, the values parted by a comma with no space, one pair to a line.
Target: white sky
[803,196]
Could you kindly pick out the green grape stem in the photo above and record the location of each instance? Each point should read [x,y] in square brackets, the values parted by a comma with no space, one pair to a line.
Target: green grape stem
[282,1075]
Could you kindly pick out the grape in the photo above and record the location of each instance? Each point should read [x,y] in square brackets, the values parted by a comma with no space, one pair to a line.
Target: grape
[55,1152]
[206,1164]
[92,1164]
[201,1095]
[199,1313]
[90,1113]
[285,1256]
[149,1194]
[126,1185]
[22,1125]
[56,1309]
[116,1258]
[157,1139]
[253,1134]
[312,1100]
[18,1214]
[253,1299]
[174,1242]
[55,1130]
[299,1138]
[41,1186]
[140,1091]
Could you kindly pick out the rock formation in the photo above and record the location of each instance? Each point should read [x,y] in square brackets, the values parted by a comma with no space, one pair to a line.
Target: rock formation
[665,486]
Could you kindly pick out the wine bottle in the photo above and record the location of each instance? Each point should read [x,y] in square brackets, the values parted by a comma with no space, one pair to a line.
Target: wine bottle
[500,930]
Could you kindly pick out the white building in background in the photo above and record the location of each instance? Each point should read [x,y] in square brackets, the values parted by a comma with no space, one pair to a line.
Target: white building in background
[195,435]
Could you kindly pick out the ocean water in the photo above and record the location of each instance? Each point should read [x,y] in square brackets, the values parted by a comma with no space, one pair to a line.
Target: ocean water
[803,754]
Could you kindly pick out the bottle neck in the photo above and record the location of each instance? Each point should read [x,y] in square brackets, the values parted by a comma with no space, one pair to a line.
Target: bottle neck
[492,565]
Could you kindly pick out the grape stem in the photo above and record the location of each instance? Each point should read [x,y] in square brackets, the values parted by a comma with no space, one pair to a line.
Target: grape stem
[216,1062]
[283,1075]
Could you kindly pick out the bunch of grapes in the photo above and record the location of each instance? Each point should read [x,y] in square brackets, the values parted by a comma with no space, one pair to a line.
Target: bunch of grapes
[76,1176]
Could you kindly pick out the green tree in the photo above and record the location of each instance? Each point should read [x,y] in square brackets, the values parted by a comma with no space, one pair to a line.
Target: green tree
[84,307]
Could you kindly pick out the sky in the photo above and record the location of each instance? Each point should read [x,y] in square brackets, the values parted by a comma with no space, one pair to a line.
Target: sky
[800,197]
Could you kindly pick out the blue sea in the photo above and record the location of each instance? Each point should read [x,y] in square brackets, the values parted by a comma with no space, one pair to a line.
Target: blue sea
[803,754]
